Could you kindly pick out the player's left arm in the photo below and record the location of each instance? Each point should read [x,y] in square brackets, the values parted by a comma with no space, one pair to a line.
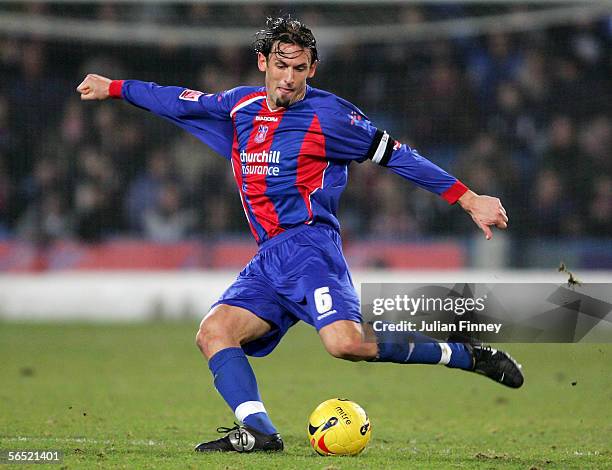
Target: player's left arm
[351,136]
[486,211]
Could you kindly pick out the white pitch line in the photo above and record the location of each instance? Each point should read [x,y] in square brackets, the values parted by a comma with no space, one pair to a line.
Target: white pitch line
[80,440]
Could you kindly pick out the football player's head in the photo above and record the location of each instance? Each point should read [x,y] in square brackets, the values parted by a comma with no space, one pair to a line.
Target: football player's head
[287,53]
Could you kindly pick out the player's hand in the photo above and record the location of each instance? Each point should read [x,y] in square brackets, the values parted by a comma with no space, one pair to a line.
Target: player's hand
[486,211]
[94,87]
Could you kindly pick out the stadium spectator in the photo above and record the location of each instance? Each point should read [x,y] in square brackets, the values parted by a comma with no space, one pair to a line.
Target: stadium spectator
[168,220]
[488,66]
[143,193]
[96,215]
[552,211]
[6,194]
[513,120]
[562,154]
[600,209]
[443,106]
[46,220]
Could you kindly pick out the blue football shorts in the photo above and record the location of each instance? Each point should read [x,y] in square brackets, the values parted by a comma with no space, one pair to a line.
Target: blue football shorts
[300,274]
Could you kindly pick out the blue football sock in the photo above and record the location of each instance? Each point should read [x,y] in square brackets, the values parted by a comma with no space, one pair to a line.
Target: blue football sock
[235,381]
[416,348]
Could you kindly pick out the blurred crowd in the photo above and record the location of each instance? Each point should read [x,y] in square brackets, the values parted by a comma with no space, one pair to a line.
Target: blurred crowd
[523,117]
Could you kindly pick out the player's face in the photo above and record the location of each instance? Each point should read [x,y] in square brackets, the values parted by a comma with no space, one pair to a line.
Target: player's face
[287,67]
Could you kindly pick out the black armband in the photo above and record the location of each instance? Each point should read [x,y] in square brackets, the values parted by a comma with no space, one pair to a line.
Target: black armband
[381,148]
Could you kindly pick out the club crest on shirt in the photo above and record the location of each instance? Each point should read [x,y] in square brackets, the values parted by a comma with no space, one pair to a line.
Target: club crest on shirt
[262,131]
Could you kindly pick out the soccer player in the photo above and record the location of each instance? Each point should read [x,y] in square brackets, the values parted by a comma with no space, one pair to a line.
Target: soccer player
[290,146]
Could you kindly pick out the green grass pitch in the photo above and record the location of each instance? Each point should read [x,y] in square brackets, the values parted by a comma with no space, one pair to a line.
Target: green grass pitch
[140,396]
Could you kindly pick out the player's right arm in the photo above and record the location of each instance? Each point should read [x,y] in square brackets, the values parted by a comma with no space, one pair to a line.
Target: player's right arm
[205,115]
[168,101]
[95,87]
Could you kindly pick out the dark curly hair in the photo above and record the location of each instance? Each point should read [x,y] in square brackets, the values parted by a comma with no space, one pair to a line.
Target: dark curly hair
[285,30]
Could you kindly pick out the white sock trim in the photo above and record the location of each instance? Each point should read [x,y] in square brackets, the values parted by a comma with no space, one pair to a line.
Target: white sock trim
[248,408]
[446,351]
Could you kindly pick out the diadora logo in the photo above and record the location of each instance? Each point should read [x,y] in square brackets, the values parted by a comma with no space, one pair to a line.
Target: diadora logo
[261,134]
[266,118]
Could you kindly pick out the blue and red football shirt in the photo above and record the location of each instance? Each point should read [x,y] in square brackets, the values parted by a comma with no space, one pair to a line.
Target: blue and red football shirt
[290,164]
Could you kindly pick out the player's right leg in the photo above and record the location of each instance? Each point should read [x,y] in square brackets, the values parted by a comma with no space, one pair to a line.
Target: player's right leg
[228,326]
[220,337]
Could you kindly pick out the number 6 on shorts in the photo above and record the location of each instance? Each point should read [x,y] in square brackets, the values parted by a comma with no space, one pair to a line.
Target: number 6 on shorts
[323,299]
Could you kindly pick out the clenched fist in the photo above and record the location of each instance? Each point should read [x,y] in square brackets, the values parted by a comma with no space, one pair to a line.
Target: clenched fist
[94,87]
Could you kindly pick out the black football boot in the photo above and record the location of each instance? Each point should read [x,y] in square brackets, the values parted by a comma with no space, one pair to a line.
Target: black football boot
[495,364]
[242,439]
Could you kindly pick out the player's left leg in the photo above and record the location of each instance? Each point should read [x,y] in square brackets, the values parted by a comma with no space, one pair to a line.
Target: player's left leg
[328,301]
[358,342]
[347,339]
[353,341]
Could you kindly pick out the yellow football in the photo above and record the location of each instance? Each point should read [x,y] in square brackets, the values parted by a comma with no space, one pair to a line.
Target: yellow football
[339,427]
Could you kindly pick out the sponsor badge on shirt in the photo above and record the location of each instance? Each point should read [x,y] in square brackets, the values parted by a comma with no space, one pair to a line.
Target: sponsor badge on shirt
[190,95]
